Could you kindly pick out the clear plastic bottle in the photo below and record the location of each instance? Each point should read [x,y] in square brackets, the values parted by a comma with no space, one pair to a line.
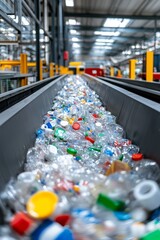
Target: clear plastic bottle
[145,168]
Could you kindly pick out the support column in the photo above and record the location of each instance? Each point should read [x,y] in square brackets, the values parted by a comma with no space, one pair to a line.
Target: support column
[132,69]
[149,66]
[46,28]
[19,12]
[41,70]
[66,48]
[23,68]
[53,30]
[51,69]
[112,71]
[60,33]
[37,13]
[155,36]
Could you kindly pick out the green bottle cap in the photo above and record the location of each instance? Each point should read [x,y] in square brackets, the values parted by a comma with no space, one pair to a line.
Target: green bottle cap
[86,133]
[72,151]
[101,134]
[155,235]
[120,157]
[110,203]
[59,133]
[94,149]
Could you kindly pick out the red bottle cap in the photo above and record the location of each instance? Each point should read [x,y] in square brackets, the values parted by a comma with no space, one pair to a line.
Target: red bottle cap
[95,115]
[63,219]
[80,119]
[76,126]
[21,223]
[137,156]
[89,139]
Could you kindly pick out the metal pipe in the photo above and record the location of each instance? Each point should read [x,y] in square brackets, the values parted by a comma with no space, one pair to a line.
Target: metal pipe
[37,13]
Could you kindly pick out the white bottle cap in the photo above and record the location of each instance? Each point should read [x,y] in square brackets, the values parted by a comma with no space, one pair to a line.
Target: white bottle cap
[64,123]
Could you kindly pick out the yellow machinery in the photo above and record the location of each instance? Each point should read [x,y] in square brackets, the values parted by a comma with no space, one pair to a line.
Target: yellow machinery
[24,65]
[76,67]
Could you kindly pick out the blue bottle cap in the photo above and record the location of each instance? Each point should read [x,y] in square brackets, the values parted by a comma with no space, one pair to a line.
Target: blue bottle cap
[122,216]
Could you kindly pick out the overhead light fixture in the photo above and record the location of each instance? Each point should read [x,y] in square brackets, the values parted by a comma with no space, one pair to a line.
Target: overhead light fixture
[100,43]
[104,40]
[72,22]
[72,31]
[69,3]
[75,45]
[74,39]
[108,47]
[103,43]
[106,33]
[158,34]
[99,47]
[116,22]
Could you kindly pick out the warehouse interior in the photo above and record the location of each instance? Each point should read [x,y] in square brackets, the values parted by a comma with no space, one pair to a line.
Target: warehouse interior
[96,35]
[79,119]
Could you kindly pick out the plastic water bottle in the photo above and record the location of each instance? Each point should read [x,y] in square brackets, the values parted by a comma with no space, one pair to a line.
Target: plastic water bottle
[145,168]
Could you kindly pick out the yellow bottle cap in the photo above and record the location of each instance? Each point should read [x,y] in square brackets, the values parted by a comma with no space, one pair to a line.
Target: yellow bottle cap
[42,204]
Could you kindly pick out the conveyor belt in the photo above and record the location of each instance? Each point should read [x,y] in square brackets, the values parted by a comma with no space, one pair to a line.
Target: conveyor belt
[12,97]
[148,90]
[139,117]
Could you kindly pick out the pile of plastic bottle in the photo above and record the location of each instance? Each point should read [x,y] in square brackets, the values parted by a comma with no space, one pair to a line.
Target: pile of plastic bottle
[82,179]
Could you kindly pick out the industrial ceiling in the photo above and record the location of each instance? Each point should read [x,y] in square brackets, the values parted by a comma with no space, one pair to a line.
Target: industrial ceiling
[109,28]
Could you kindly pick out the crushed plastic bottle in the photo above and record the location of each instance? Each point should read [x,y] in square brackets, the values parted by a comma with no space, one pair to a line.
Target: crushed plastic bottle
[83,179]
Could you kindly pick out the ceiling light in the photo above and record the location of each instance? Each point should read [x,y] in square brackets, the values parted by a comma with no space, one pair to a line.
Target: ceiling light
[74,39]
[100,43]
[116,22]
[158,34]
[74,32]
[106,33]
[108,47]
[75,45]
[105,40]
[72,22]
[69,3]
[99,47]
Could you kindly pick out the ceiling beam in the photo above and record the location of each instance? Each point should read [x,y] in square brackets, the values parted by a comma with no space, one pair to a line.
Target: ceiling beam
[104,15]
[94,37]
[90,44]
[89,50]
[110,29]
